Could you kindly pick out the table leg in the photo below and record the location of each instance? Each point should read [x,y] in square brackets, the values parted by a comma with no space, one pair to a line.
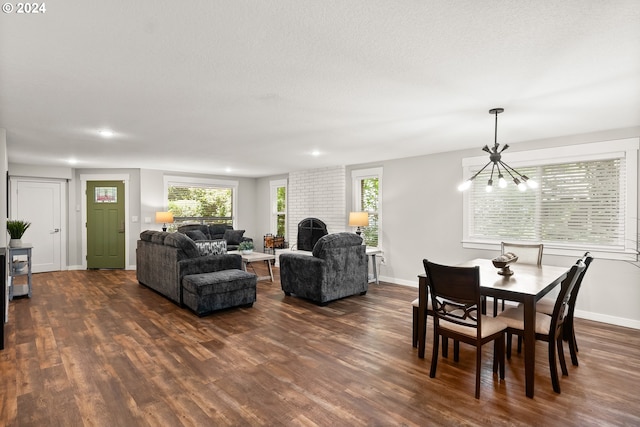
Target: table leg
[422,312]
[375,269]
[529,344]
[270,271]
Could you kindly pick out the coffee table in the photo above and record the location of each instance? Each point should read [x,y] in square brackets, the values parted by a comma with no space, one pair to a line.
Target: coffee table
[255,257]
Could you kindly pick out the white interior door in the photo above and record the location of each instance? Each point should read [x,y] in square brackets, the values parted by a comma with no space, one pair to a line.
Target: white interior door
[39,202]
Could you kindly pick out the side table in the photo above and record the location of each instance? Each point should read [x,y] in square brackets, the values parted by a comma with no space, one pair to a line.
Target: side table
[371,253]
[14,271]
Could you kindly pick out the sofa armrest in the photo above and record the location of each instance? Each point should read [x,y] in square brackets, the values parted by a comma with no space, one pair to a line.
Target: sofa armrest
[209,264]
[301,274]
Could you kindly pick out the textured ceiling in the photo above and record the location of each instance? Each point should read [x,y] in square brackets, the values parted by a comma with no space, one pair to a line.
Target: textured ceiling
[252,88]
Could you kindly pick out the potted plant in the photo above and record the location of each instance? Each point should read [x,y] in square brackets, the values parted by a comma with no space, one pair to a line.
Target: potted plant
[16,228]
[246,247]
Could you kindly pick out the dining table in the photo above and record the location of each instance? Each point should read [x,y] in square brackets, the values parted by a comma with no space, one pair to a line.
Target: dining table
[527,284]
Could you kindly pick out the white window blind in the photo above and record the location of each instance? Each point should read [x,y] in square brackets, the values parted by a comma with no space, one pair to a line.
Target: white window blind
[577,202]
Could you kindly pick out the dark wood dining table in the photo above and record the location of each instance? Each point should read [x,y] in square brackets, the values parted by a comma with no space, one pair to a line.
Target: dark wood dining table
[527,285]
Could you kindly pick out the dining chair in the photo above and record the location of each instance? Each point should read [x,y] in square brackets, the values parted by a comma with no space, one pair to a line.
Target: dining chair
[528,253]
[546,305]
[548,328]
[457,314]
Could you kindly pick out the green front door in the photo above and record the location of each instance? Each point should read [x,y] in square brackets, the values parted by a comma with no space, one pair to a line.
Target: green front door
[105,224]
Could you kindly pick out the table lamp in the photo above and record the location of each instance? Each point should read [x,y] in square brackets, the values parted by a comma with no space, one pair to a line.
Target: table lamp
[358,219]
[164,218]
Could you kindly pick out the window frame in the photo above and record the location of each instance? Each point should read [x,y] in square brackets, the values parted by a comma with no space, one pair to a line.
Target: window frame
[203,182]
[622,148]
[273,198]
[358,175]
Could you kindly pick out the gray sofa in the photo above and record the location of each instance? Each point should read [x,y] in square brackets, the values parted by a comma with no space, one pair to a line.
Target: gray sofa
[215,232]
[171,264]
[337,268]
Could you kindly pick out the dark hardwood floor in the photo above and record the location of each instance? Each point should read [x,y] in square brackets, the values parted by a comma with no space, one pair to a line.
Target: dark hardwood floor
[94,348]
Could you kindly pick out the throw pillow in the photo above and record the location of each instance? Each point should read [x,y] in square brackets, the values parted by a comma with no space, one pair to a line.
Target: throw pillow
[196,235]
[211,247]
[233,237]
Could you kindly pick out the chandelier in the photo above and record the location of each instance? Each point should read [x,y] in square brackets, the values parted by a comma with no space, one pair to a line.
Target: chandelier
[495,158]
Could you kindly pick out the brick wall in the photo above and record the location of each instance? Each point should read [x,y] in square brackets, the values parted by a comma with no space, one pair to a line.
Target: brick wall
[317,193]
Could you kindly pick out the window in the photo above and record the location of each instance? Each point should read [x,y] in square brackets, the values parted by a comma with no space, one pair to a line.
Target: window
[367,197]
[279,207]
[587,200]
[201,200]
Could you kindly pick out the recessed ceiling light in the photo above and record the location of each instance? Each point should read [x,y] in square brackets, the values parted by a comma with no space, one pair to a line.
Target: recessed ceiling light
[315,153]
[106,133]
[72,161]
[227,170]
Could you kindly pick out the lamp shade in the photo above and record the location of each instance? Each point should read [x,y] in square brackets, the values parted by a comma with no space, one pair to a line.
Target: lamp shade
[358,219]
[164,217]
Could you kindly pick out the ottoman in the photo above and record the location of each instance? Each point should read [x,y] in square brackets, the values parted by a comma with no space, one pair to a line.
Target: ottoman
[207,292]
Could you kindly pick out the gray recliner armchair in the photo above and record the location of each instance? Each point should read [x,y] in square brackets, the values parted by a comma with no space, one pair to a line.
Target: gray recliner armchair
[337,268]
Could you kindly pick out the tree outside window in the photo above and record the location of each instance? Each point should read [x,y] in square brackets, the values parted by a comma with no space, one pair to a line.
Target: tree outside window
[281,207]
[367,198]
[210,205]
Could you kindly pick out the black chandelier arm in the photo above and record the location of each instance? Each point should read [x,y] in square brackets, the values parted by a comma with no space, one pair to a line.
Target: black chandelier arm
[480,171]
[507,167]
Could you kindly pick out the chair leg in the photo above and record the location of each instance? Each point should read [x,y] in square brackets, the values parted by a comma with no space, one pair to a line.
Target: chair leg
[563,363]
[434,355]
[478,366]
[498,356]
[509,345]
[445,347]
[519,344]
[456,351]
[573,349]
[502,361]
[415,327]
[552,366]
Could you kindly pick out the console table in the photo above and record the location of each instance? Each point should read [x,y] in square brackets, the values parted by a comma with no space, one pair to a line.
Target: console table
[14,271]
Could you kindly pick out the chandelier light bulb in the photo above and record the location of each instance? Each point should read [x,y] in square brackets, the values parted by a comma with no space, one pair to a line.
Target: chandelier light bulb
[502,183]
[531,183]
[489,188]
[465,185]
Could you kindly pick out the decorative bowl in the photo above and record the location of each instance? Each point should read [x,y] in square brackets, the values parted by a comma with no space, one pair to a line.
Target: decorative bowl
[503,261]
[19,266]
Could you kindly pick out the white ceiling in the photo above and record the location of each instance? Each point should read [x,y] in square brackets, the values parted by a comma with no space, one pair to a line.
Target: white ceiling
[252,88]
